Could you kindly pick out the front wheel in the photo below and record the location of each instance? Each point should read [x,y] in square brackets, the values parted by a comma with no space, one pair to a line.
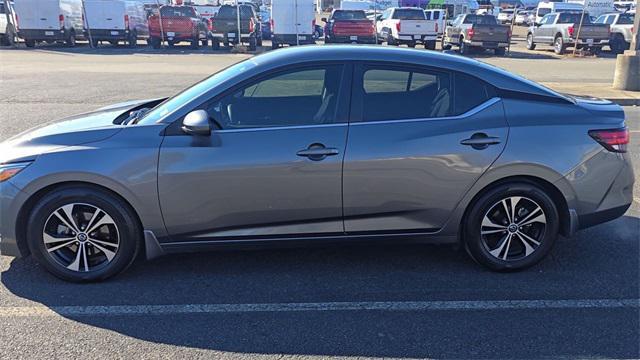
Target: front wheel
[82,233]
[464,48]
[511,227]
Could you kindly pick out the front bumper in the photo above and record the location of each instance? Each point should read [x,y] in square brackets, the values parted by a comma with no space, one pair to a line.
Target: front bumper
[11,200]
[43,35]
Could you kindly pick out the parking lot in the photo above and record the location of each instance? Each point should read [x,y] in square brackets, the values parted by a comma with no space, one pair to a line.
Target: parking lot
[358,301]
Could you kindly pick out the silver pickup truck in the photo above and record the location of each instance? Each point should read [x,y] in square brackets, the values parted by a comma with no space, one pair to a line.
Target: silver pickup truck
[621,30]
[560,30]
[468,31]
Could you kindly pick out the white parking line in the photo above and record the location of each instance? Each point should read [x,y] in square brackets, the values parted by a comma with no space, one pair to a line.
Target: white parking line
[120,310]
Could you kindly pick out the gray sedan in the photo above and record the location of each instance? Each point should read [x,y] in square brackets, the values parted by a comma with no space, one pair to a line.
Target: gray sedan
[318,145]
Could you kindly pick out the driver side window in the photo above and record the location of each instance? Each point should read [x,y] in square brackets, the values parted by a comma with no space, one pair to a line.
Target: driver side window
[300,97]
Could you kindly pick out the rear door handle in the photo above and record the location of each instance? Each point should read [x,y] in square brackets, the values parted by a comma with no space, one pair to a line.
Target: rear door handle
[480,141]
[317,152]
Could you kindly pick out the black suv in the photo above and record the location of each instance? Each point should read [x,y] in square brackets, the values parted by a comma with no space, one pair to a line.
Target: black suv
[224,27]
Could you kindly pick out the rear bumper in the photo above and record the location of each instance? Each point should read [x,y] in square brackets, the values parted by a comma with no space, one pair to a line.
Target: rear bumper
[487,44]
[290,39]
[599,217]
[177,36]
[231,37]
[42,35]
[416,38]
[360,39]
[107,34]
[584,42]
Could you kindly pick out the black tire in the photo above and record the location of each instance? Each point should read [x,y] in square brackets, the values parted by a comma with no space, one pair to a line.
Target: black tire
[132,41]
[617,44]
[195,43]
[477,245]
[71,39]
[499,51]
[204,43]
[531,45]
[128,230]
[274,44]
[411,44]
[430,45]
[464,48]
[259,40]
[215,44]
[95,43]
[558,45]
[30,43]
[252,44]
[390,40]
[154,42]
[445,45]
[596,50]
[327,39]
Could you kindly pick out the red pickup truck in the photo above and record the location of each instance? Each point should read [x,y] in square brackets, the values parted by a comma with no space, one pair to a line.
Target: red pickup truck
[179,23]
[349,26]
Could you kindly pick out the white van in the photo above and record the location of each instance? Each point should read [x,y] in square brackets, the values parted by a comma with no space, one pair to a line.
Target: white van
[548,7]
[114,21]
[49,20]
[292,22]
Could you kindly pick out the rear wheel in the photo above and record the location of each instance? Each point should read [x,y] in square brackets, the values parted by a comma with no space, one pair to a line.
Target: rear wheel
[71,40]
[171,43]
[499,51]
[259,40]
[530,44]
[617,44]
[95,43]
[132,41]
[252,43]
[430,45]
[512,226]
[30,43]
[195,43]
[390,40]
[83,233]
[215,44]
[154,42]
[445,45]
[558,45]
[464,48]
[274,44]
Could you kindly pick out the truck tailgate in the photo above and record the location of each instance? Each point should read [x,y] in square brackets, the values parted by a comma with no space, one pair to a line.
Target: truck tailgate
[493,33]
[353,27]
[417,27]
[593,31]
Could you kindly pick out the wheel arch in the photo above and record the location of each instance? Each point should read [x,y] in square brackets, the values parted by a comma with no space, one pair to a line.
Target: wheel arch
[552,190]
[30,203]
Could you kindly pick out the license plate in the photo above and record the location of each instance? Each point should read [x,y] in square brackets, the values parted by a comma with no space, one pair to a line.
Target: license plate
[353,38]
[302,38]
[48,33]
[590,41]
[114,33]
[417,37]
[231,35]
[171,34]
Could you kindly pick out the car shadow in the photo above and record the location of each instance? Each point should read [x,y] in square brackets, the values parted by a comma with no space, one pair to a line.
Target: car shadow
[601,262]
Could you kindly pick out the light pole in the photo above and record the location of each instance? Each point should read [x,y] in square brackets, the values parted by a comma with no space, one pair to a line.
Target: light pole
[627,75]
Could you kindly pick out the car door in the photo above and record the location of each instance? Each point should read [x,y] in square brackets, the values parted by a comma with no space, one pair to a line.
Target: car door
[418,140]
[272,166]
[547,29]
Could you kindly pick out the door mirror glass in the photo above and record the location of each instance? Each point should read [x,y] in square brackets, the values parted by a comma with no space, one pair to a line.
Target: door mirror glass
[197,123]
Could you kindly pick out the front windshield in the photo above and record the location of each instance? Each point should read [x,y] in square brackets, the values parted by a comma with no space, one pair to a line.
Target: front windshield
[172,104]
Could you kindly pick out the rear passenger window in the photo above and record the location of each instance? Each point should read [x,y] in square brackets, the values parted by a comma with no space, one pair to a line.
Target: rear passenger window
[469,93]
[404,94]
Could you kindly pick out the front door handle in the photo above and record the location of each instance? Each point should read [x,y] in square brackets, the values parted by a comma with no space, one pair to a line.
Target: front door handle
[317,152]
[480,141]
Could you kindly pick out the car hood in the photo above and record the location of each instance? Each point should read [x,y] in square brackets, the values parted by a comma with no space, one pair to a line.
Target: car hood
[75,130]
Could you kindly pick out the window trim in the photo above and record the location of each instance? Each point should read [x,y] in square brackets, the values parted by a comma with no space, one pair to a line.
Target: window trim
[342,107]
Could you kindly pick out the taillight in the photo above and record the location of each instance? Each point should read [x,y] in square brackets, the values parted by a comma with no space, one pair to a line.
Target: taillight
[251,25]
[436,27]
[210,24]
[126,21]
[470,33]
[61,19]
[313,24]
[570,30]
[615,140]
[272,23]
[398,26]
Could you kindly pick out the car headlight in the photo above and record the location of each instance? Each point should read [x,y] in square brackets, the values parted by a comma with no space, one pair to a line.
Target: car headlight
[7,171]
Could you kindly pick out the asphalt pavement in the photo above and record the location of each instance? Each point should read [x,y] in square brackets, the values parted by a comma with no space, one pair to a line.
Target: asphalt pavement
[418,301]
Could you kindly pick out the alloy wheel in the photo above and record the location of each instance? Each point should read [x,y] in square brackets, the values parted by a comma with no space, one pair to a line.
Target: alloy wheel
[513,228]
[81,237]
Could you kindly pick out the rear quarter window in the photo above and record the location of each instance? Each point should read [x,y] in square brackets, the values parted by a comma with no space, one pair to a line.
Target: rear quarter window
[469,93]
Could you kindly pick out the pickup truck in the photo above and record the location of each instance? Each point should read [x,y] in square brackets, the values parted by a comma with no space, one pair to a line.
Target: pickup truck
[561,29]
[224,27]
[349,26]
[407,25]
[470,31]
[621,26]
[179,23]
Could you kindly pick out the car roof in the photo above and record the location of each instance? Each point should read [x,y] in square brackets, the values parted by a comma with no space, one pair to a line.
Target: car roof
[314,53]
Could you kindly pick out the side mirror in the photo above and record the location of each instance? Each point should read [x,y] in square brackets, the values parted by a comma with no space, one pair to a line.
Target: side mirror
[197,123]
[323,19]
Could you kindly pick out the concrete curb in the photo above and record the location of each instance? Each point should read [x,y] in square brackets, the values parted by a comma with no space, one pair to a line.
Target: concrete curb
[625,101]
